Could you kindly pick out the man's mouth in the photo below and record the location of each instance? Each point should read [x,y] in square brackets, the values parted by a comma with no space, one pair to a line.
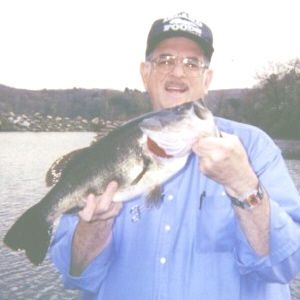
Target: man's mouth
[176,87]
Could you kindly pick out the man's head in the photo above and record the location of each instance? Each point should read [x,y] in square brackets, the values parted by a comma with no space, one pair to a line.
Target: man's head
[178,54]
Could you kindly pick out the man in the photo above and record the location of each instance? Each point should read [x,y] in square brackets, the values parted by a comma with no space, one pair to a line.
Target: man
[228,225]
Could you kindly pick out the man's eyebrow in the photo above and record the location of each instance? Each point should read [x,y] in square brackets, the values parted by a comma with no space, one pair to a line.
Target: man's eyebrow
[188,56]
[166,54]
[194,57]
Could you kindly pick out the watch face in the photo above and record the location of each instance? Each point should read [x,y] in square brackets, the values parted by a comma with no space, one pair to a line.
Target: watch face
[253,200]
[250,201]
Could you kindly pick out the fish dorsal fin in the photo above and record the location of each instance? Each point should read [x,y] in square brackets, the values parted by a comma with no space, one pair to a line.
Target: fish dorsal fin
[54,173]
[108,127]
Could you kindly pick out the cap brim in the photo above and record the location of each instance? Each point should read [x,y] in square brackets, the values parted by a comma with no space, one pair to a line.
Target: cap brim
[205,45]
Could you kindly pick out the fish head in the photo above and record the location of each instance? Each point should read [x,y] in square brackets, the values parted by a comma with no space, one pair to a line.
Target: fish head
[176,129]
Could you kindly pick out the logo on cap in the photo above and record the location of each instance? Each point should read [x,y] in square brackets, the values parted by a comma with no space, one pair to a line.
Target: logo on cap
[182,22]
[180,25]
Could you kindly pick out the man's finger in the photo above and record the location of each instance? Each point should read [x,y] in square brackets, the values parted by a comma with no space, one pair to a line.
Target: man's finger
[88,211]
[109,191]
[111,213]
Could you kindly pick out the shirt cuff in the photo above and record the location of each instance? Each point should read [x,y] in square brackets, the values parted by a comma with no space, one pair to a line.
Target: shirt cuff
[284,241]
[93,275]
[60,252]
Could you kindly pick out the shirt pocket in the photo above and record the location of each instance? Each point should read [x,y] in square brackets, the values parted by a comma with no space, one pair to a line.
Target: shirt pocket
[215,224]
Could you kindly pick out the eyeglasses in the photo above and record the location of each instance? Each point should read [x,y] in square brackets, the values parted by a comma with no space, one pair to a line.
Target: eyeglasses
[192,66]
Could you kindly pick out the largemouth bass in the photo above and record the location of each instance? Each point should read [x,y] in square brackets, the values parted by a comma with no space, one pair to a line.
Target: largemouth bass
[140,155]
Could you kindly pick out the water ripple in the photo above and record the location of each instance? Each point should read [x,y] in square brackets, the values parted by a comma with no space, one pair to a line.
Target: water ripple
[25,158]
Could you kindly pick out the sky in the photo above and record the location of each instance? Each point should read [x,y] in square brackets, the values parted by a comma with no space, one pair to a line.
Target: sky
[62,44]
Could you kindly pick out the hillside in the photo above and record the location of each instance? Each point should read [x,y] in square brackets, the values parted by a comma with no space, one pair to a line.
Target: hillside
[89,103]
[73,102]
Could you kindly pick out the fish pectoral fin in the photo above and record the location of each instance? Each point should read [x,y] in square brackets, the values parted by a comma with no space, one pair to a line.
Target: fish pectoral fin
[54,173]
[154,197]
[146,164]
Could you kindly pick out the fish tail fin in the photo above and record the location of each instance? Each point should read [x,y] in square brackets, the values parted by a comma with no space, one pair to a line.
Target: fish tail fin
[32,233]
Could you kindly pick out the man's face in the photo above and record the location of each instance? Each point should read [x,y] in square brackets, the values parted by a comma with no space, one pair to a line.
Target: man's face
[175,87]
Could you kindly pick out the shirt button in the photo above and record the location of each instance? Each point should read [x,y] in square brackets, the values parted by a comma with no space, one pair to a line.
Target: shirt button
[223,193]
[167,228]
[163,260]
[170,197]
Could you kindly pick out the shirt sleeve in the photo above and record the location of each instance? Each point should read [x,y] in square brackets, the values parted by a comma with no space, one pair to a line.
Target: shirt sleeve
[60,253]
[283,263]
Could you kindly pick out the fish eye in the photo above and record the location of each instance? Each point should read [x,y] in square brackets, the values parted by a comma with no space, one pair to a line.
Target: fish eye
[180,109]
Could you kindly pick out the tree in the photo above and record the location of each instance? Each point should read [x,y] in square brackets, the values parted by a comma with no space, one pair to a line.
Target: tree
[274,104]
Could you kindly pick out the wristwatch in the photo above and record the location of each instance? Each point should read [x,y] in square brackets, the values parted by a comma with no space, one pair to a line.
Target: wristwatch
[251,200]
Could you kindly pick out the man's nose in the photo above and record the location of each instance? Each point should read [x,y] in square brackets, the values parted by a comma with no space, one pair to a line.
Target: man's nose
[178,69]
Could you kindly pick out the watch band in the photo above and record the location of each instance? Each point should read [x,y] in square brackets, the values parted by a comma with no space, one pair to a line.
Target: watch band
[250,200]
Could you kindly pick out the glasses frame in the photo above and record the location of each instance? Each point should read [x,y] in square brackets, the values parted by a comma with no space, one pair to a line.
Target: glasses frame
[175,60]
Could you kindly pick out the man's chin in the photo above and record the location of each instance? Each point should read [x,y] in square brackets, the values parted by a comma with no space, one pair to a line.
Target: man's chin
[174,99]
[166,100]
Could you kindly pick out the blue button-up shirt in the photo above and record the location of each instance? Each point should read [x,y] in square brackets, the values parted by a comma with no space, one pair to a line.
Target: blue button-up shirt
[192,247]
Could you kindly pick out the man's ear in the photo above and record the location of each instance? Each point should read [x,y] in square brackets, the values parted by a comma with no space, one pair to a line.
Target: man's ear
[145,72]
[207,78]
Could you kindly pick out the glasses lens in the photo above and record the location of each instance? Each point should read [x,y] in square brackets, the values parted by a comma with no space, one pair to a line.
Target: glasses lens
[165,63]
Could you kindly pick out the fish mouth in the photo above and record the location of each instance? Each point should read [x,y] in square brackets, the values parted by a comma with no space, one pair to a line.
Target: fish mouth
[173,86]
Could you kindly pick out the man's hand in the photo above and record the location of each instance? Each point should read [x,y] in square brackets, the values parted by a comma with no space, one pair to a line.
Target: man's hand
[93,232]
[101,208]
[225,160]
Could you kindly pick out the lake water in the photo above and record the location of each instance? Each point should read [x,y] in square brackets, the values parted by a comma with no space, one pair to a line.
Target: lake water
[24,160]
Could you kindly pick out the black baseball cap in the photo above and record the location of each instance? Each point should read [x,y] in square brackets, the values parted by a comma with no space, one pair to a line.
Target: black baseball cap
[181,25]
